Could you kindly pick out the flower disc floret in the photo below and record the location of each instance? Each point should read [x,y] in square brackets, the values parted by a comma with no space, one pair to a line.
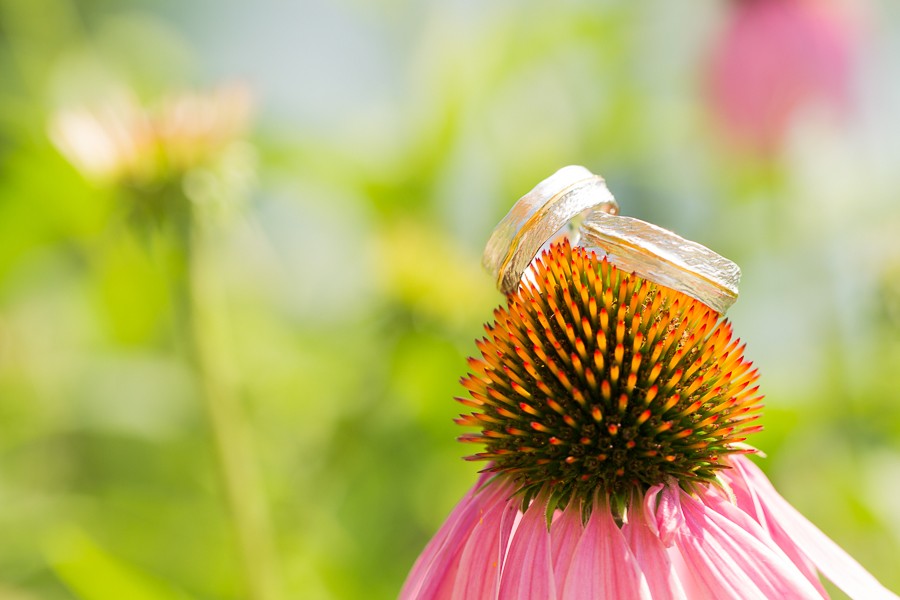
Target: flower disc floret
[594,381]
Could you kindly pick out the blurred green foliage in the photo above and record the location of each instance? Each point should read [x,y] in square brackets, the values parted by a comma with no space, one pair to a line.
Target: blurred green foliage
[390,137]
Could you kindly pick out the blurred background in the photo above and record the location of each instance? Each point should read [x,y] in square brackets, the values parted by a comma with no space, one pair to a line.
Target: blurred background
[240,262]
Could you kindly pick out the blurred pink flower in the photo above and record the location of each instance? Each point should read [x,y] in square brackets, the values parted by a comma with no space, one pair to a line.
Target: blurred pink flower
[776,58]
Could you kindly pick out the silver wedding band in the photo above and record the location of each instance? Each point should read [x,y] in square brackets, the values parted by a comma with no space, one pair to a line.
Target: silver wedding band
[551,210]
[540,216]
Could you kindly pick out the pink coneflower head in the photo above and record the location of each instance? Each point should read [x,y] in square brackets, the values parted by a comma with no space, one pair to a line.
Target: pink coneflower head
[613,410]
[593,380]
[775,59]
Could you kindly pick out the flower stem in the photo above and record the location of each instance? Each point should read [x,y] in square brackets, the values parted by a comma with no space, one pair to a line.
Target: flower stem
[231,434]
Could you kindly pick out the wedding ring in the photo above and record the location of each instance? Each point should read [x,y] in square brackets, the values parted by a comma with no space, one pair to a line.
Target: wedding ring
[663,257]
[541,216]
[576,204]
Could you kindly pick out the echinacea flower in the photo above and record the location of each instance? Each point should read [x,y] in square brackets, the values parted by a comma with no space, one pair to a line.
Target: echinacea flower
[776,59]
[612,412]
[184,154]
[122,141]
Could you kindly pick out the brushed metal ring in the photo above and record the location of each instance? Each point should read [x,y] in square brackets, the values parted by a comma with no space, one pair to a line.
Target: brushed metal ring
[540,216]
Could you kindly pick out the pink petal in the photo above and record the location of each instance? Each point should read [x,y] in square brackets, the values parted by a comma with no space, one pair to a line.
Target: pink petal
[565,533]
[719,558]
[650,553]
[478,574]
[434,573]
[719,504]
[669,517]
[747,499]
[602,565]
[528,570]
[791,529]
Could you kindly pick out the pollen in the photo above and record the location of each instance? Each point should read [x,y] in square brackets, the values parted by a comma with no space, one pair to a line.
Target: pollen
[594,380]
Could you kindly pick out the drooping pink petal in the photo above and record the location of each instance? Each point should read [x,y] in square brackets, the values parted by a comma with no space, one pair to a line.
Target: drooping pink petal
[433,575]
[650,553]
[791,529]
[437,555]
[565,533]
[747,499]
[478,574]
[602,565]
[725,507]
[528,569]
[718,558]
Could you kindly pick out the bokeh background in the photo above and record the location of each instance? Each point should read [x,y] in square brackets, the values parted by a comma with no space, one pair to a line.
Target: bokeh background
[240,247]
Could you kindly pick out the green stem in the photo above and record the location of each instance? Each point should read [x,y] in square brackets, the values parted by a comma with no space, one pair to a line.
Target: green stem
[231,434]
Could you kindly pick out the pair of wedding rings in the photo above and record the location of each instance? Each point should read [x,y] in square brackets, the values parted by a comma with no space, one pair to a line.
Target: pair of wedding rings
[574,203]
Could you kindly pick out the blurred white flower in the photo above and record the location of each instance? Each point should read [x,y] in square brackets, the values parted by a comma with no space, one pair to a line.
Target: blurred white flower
[122,141]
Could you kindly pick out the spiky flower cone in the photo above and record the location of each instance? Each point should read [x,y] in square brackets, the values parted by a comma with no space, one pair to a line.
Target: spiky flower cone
[596,380]
[612,411]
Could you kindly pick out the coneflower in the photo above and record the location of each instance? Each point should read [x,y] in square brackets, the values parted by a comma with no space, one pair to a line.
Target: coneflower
[612,412]
[776,59]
